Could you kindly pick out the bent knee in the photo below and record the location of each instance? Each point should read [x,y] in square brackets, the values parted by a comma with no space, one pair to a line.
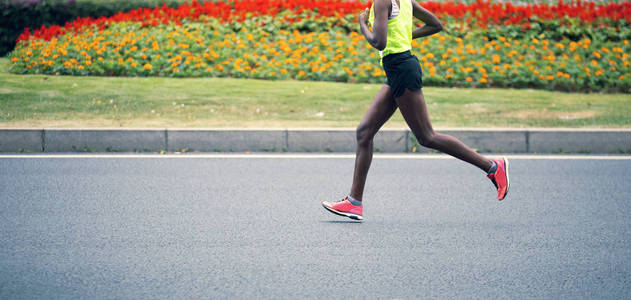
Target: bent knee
[364,135]
[426,139]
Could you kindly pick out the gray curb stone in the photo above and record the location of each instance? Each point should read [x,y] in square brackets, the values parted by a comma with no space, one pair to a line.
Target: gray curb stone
[103,140]
[588,141]
[317,140]
[225,140]
[597,141]
[21,140]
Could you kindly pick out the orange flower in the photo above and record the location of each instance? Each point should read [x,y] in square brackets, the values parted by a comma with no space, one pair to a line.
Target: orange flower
[496,59]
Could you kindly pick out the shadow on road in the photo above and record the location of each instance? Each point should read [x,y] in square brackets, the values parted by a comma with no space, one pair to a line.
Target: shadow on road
[339,221]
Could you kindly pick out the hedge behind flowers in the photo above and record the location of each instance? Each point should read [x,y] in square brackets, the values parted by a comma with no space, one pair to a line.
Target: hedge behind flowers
[289,40]
[20,14]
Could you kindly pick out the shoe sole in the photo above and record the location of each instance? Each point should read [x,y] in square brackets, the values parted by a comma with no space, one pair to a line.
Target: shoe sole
[507,178]
[343,214]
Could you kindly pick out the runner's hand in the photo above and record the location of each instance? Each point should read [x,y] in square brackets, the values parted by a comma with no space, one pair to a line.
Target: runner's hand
[363,16]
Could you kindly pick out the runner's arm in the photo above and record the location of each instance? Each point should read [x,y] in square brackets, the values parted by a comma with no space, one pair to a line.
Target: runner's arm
[432,23]
[379,36]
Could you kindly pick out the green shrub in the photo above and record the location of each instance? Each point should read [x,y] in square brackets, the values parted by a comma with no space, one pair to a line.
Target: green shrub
[19,14]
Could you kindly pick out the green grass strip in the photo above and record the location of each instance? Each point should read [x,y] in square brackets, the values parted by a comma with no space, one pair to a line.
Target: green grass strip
[71,101]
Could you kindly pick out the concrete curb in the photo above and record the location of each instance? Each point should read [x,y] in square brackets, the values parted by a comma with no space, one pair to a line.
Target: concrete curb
[596,141]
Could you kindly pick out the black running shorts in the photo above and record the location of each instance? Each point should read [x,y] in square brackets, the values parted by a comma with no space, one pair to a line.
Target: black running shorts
[403,71]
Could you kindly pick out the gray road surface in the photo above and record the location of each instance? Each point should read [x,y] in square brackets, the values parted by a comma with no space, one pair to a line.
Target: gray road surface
[254,228]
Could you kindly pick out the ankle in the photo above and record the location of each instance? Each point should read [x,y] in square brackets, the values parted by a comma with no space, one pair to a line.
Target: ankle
[354,200]
[493,168]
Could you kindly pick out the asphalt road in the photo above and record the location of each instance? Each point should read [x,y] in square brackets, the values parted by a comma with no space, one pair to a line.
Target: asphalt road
[216,227]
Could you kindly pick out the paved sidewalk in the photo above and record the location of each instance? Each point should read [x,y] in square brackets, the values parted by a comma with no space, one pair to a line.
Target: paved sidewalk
[523,140]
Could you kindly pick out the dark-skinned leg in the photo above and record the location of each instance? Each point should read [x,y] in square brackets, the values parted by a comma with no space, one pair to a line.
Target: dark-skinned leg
[414,111]
[381,109]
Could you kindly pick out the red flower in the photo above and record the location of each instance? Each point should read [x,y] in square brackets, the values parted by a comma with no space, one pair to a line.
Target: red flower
[482,12]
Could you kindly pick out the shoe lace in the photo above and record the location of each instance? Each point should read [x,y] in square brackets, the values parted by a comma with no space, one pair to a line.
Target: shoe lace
[343,199]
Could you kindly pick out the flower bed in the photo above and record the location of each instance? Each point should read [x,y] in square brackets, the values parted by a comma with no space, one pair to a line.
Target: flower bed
[543,46]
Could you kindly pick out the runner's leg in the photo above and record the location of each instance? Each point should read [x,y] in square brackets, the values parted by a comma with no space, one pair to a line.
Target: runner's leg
[414,111]
[381,109]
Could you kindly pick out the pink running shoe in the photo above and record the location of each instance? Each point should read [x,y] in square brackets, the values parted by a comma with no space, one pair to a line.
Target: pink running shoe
[344,208]
[500,177]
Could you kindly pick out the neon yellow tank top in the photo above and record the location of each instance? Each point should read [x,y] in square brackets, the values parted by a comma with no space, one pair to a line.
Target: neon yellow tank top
[399,29]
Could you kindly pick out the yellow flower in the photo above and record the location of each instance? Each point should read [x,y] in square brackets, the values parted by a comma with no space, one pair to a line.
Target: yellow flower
[147,66]
[483,80]
[469,79]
